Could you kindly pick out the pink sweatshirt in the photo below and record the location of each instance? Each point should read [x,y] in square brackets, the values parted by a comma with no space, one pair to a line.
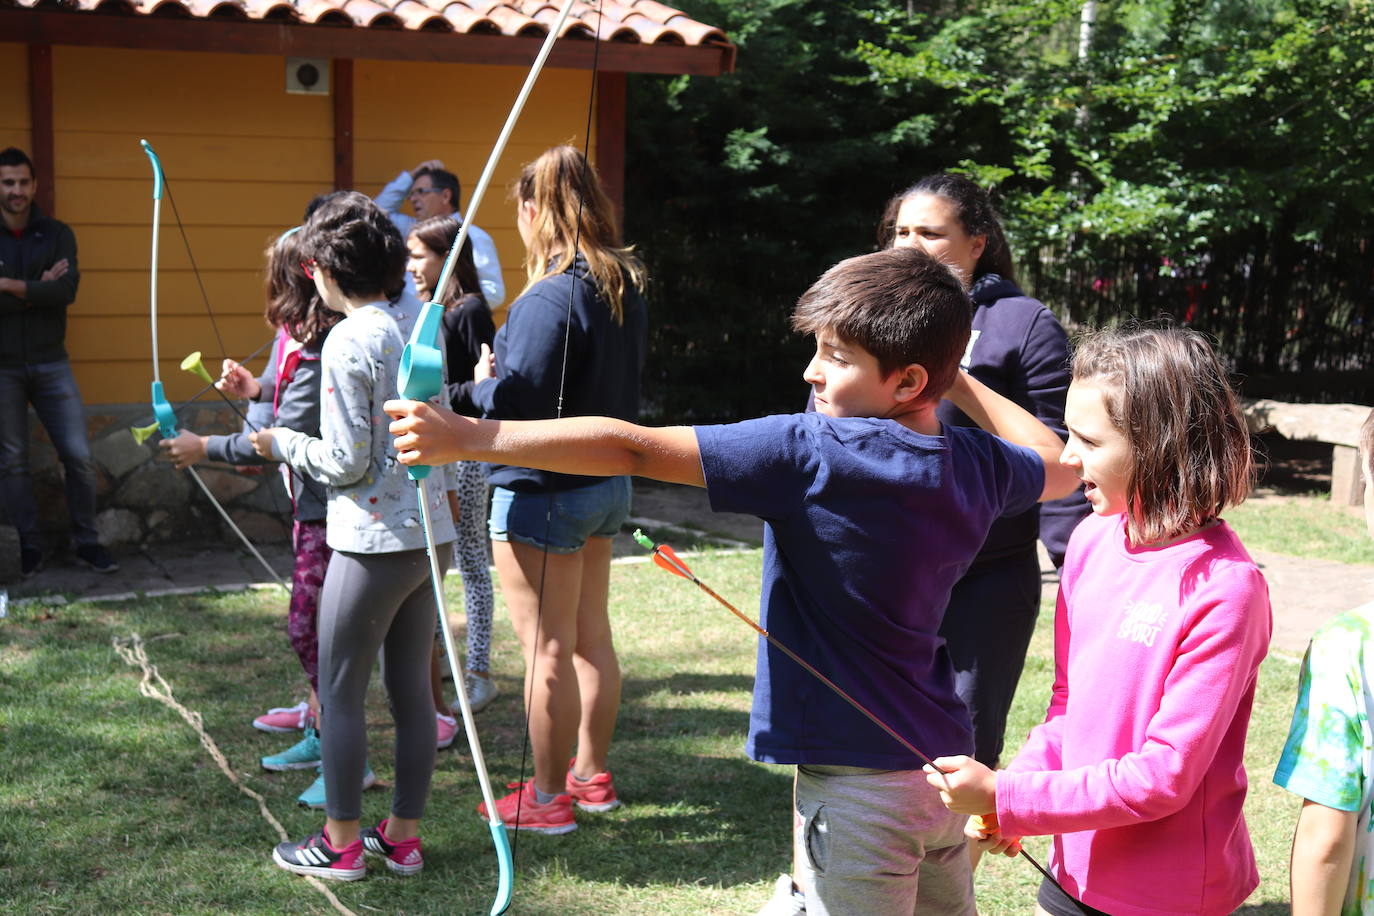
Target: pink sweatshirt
[1137,769]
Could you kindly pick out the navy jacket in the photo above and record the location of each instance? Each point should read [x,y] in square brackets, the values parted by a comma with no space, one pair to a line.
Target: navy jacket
[466,326]
[33,329]
[1019,350]
[604,359]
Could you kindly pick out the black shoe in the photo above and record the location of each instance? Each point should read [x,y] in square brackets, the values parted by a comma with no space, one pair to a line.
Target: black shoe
[97,558]
[30,561]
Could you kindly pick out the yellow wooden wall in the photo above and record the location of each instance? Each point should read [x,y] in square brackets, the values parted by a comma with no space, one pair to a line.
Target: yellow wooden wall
[410,112]
[14,101]
[242,159]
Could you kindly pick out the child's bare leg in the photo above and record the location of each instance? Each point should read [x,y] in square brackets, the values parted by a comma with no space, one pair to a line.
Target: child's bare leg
[598,669]
[548,637]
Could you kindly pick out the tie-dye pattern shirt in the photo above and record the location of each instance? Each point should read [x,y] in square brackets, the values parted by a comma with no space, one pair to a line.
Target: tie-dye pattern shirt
[1329,756]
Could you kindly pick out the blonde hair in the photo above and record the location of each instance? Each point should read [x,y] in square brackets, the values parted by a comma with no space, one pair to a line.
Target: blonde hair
[1165,390]
[571,209]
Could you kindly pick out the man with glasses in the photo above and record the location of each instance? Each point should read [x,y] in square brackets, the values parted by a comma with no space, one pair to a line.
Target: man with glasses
[434,191]
[38,279]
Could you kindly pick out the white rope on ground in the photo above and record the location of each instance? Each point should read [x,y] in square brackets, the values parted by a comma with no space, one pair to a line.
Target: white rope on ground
[155,687]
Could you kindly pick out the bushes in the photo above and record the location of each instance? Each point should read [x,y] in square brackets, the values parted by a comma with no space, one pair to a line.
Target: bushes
[1207,161]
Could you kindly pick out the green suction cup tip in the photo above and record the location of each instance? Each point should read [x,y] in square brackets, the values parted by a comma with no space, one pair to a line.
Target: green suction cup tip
[643,540]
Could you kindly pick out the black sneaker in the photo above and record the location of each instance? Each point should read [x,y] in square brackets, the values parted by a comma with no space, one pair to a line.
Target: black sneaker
[30,561]
[314,856]
[97,558]
[404,858]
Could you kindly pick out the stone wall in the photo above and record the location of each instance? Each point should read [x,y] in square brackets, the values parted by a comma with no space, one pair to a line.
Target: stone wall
[141,498]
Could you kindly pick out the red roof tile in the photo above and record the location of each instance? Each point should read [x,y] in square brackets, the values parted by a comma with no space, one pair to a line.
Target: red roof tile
[625,21]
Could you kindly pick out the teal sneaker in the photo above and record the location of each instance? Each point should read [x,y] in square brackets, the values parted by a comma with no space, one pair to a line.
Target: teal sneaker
[313,797]
[302,755]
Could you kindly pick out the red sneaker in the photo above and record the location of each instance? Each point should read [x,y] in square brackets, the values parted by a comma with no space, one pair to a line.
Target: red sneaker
[521,811]
[595,794]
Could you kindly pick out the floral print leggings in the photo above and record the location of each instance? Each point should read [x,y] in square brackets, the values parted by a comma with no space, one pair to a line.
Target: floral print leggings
[312,558]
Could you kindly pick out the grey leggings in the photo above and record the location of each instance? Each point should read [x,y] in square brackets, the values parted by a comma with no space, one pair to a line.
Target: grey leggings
[370,602]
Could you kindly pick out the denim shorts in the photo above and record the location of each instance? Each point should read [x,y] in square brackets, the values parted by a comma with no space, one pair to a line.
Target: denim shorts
[586,512]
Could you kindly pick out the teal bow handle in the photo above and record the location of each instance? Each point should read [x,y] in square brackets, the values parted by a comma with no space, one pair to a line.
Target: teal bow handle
[157,169]
[422,366]
[163,413]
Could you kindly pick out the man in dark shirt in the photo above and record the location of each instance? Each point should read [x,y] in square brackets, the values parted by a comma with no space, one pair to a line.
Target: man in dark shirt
[38,278]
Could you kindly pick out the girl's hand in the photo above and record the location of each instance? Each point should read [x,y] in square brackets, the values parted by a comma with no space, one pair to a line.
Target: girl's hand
[426,434]
[986,836]
[486,365]
[262,442]
[185,450]
[966,786]
[238,382]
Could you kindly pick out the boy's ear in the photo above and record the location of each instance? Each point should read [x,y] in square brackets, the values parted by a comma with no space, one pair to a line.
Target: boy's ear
[911,383]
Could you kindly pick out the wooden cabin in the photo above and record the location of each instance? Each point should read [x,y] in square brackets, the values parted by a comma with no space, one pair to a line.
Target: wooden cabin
[255,106]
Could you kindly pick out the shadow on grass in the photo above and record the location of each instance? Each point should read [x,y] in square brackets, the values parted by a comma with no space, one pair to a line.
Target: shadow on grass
[1264,909]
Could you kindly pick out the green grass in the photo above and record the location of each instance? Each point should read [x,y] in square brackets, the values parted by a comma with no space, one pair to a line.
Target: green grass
[1307,526]
[109,804]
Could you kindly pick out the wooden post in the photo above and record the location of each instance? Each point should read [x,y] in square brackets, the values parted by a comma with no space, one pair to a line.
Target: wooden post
[41,126]
[343,124]
[610,137]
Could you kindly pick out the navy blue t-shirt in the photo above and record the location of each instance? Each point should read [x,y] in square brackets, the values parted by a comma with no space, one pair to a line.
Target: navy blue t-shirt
[869,525]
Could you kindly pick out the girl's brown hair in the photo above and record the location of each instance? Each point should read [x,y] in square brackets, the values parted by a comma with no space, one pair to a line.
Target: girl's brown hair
[571,209]
[293,302]
[437,234]
[1165,389]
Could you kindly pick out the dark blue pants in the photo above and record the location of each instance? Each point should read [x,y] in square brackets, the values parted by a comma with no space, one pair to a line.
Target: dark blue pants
[988,628]
[51,389]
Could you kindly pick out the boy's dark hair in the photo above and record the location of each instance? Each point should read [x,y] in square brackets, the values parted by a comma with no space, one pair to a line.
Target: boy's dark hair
[438,234]
[1166,391]
[973,206]
[444,180]
[1367,446]
[901,305]
[13,155]
[354,239]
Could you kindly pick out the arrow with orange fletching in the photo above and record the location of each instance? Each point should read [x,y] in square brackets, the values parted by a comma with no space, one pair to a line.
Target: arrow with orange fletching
[666,558]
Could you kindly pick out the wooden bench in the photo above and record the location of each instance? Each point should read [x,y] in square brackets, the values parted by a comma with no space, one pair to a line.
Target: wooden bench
[1338,424]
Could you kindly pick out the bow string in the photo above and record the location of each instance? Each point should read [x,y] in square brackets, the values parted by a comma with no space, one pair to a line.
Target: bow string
[162,409]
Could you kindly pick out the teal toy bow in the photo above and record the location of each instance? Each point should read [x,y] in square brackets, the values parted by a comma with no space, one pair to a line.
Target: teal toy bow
[421,378]
[162,409]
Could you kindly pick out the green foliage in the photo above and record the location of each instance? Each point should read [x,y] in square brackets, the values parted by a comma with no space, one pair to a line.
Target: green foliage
[1212,161]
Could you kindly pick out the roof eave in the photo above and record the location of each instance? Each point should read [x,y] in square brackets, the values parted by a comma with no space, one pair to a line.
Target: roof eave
[59,27]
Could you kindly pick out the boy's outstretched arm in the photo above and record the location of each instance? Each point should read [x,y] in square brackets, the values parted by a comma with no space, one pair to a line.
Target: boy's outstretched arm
[1008,420]
[1323,853]
[594,446]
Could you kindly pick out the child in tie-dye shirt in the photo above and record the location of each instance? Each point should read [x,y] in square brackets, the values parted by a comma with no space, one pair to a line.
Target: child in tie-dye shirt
[1329,757]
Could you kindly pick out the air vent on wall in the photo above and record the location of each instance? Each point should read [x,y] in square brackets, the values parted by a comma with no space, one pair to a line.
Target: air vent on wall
[307,76]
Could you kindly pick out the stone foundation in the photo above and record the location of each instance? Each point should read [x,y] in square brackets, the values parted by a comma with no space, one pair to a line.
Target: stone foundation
[142,499]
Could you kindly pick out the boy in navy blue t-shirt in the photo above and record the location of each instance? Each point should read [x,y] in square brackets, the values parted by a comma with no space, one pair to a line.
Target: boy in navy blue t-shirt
[873,512]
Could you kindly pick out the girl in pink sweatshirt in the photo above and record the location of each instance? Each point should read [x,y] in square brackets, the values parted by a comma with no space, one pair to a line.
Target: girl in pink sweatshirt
[1161,624]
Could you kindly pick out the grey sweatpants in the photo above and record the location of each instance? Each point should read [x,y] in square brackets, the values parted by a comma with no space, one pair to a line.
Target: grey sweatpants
[370,602]
[880,843]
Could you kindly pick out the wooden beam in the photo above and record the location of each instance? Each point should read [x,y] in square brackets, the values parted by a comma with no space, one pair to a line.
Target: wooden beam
[343,124]
[610,137]
[41,126]
[142,32]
